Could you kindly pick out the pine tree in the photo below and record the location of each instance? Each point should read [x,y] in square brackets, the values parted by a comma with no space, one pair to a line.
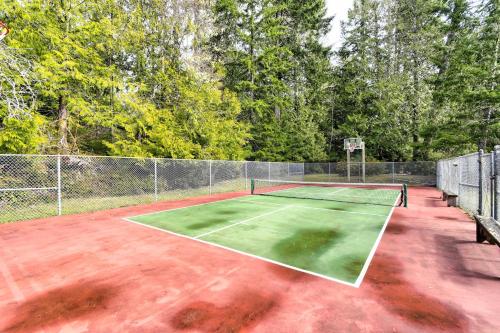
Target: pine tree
[272,59]
[468,88]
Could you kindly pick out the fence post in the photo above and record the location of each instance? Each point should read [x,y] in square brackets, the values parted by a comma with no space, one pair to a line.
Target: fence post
[59,191]
[288,169]
[156,179]
[492,184]
[393,172]
[495,188]
[269,170]
[210,177]
[459,179]
[246,175]
[480,196]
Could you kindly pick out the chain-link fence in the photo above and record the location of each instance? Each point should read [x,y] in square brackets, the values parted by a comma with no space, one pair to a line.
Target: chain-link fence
[33,186]
[475,179]
[413,173]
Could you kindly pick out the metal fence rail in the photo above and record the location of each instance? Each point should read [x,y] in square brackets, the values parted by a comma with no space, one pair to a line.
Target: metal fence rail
[413,173]
[34,186]
[475,179]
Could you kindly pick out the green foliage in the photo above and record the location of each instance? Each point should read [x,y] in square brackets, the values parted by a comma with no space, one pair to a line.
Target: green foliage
[202,126]
[109,78]
[20,134]
[467,89]
[234,79]
[272,57]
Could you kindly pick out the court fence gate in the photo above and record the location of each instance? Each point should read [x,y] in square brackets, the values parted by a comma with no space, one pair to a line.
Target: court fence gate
[475,179]
[36,186]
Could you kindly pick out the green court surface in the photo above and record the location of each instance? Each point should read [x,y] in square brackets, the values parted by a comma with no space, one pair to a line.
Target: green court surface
[329,238]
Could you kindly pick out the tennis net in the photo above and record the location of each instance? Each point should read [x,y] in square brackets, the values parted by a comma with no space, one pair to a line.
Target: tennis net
[373,194]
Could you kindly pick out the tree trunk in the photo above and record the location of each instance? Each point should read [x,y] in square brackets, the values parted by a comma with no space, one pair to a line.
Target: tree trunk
[62,122]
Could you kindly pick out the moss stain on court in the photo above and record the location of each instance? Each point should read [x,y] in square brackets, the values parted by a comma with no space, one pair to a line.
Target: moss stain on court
[206,224]
[306,245]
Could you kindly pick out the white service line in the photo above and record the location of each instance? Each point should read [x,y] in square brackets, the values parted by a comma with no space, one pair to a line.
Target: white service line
[309,207]
[339,190]
[242,222]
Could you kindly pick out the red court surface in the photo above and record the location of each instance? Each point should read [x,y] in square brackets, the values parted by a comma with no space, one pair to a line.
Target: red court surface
[99,273]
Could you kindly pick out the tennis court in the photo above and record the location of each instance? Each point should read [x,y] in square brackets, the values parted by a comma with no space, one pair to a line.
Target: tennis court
[325,229]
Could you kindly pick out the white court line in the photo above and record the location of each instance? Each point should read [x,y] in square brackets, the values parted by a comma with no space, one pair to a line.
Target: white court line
[368,260]
[309,207]
[339,190]
[312,193]
[241,222]
[11,282]
[245,254]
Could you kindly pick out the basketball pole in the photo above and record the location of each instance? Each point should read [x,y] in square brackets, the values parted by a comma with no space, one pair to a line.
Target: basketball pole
[363,160]
[348,165]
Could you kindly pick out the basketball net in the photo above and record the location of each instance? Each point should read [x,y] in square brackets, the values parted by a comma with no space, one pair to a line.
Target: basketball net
[352,147]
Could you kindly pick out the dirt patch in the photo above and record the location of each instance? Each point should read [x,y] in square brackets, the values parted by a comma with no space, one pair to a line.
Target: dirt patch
[245,311]
[288,274]
[61,305]
[433,203]
[451,218]
[400,297]
[396,228]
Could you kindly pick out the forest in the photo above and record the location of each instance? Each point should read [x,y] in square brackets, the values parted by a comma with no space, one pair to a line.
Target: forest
[249,79]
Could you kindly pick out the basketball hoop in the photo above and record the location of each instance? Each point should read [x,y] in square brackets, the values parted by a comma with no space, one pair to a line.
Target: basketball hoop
[4,30]
[352,144]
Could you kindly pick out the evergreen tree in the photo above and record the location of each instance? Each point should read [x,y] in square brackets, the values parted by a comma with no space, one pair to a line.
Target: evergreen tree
[468,89]
[272,58]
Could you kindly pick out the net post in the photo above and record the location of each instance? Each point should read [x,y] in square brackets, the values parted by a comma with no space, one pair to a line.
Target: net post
[59,191]
[480,194]
[210,177]
[405,195]
[156,178]
[252,186]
